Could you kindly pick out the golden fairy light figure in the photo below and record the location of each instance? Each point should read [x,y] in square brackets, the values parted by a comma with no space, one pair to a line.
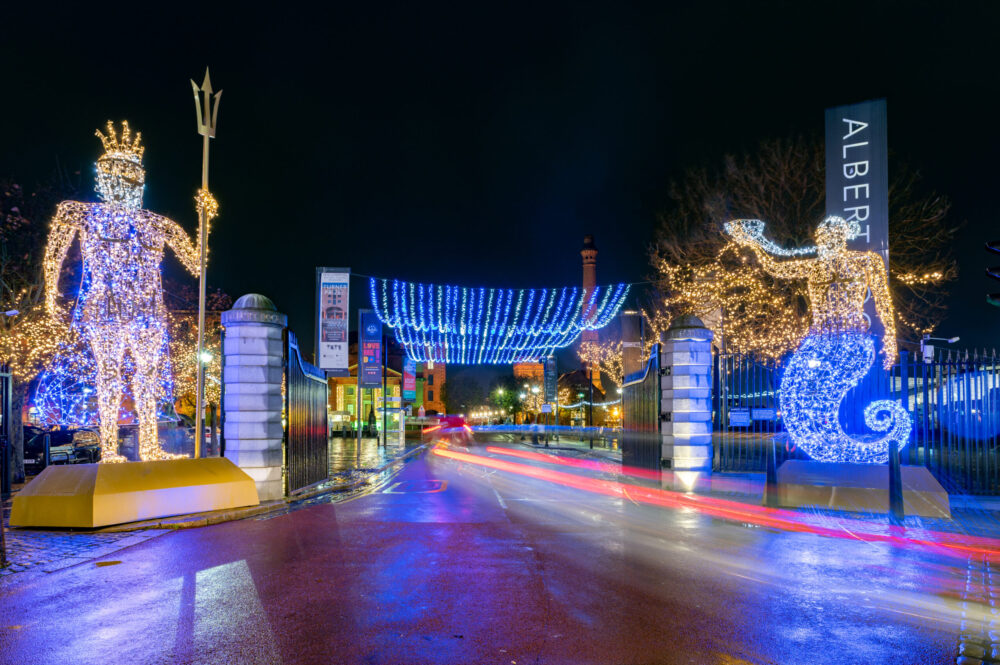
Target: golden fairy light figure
[838,350]
[120,306]
[837,279]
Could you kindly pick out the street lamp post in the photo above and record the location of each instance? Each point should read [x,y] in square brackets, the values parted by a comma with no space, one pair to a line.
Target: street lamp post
[207,115]
[590,407]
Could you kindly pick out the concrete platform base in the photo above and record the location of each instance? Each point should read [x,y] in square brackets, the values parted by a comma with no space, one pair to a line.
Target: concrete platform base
[859,487]
[94,495]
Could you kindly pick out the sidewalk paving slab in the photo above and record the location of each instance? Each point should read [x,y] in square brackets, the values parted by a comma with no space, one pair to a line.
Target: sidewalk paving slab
[34,552]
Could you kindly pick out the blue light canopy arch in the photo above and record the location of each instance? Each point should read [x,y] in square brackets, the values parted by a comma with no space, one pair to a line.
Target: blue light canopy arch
[477,326]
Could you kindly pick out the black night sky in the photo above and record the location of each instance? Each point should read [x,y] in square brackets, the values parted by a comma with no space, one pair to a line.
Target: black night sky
[476,145]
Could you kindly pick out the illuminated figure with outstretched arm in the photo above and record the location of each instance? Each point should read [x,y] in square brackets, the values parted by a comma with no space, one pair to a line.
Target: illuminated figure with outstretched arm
[838,350]
[120,306]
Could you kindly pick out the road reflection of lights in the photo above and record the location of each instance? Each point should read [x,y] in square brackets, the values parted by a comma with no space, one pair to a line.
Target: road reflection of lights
[943,543]
[688,478]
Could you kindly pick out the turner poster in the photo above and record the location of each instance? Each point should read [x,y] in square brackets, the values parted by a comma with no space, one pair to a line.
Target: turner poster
[333,286]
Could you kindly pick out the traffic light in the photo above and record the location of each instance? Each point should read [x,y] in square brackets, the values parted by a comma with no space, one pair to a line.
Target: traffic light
[994,272]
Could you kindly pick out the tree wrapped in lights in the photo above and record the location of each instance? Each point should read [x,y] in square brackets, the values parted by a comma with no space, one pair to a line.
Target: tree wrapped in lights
[783,181]
[28,337]
[119,308]
[607,356]
[838,351]
[739,301]
[182,320]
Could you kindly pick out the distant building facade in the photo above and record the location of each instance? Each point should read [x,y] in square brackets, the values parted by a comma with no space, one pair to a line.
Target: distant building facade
[529,371]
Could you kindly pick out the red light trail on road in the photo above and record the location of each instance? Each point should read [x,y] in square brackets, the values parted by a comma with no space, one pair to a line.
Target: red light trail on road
[785,520]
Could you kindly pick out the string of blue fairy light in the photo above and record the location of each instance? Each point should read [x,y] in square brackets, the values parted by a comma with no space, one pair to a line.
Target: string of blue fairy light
[496,326]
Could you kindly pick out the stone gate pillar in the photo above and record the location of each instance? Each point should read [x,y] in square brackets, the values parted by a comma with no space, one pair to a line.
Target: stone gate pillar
[686,400]
[253,353]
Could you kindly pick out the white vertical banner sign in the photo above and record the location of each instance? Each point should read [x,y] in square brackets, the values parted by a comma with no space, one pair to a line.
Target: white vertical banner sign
[857,176]
[333,287]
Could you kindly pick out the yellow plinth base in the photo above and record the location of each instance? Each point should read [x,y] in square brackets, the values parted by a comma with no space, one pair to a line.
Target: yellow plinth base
[859,487]
[93,495]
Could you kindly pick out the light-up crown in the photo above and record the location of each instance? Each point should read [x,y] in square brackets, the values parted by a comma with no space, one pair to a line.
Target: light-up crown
[125,149]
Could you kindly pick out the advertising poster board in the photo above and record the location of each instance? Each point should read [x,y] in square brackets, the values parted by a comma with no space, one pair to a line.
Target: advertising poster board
[370,342]
[332,309]
[550,378]
[409,379]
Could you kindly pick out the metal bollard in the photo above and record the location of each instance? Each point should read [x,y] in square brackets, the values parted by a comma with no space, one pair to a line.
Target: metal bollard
[896,514]
[771,488]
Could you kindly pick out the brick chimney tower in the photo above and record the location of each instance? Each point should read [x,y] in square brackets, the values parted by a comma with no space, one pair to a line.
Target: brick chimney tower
[589,254]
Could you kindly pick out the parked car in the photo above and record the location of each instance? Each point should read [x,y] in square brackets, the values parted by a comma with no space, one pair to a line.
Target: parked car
[66,446]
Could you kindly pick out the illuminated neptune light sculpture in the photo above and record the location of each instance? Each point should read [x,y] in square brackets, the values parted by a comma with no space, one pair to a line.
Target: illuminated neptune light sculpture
[119,307]
[838,350]
[454,324]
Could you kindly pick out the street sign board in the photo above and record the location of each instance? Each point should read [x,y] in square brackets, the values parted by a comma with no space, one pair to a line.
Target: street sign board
[550,378]
[739,417]
[332,308]
[758,413]
[370,356]
[409,379]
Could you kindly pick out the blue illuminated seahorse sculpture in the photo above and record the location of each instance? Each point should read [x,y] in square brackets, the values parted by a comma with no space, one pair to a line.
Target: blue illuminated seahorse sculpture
[838,350]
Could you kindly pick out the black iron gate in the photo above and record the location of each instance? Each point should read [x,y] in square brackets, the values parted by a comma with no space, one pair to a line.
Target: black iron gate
[746,416]
[307,460]
[641,440]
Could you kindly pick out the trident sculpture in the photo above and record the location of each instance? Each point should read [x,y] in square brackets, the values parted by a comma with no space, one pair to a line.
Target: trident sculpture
[207,107]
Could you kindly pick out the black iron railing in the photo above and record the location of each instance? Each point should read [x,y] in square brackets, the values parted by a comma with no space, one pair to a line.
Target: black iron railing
[953,401]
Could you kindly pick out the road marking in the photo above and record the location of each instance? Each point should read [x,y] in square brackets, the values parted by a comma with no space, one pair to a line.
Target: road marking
[101,564]
[432,487]
[499,498]
[752,579]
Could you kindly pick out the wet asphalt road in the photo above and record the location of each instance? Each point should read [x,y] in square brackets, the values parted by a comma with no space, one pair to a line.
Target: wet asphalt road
[454,563]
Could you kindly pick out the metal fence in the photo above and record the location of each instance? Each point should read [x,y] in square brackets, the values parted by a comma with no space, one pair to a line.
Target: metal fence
[641,441]
[307,459]
[953,401]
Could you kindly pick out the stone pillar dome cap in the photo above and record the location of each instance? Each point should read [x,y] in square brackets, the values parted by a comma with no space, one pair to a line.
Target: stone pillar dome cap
[253,308]
[688,326]
[254,301]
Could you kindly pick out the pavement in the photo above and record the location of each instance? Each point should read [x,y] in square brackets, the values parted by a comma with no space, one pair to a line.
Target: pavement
[513,555]
[34,552]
